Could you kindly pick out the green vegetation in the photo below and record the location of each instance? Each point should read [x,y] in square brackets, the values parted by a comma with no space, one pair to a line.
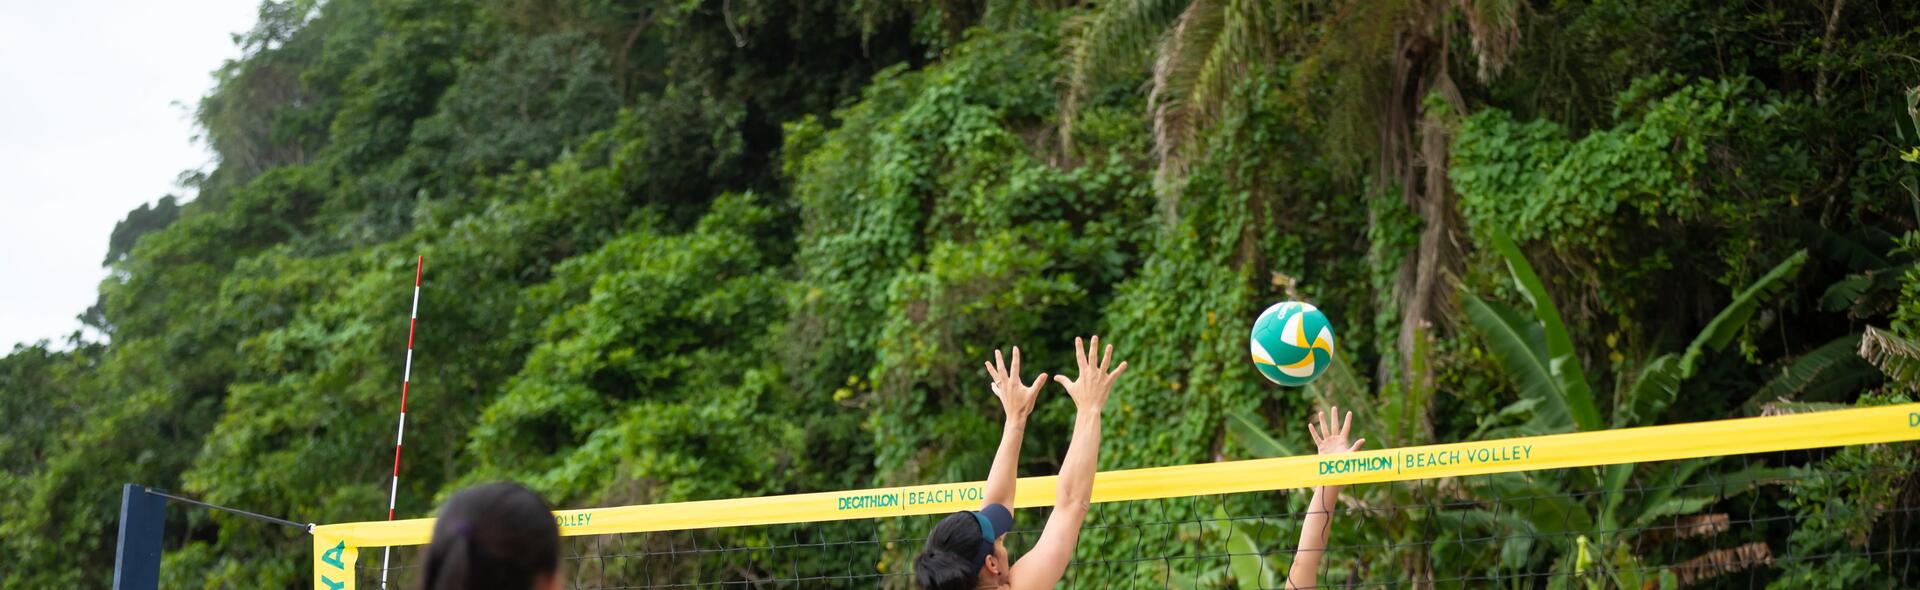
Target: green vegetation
[708,249]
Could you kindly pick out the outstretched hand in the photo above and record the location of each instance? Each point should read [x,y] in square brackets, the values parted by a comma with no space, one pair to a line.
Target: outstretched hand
[1089,390]
[1333,441]
[1015,397]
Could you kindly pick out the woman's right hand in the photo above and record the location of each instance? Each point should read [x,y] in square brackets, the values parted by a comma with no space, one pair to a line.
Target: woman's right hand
[1015,397]
[1329,440]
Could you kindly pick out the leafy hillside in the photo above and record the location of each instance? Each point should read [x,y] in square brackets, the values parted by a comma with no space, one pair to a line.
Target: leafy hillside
[710,249]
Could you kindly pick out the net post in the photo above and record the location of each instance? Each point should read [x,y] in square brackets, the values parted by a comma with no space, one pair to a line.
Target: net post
[136,558]
[400,432]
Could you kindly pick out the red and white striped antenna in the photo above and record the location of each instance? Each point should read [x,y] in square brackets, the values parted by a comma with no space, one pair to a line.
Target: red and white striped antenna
[400,433]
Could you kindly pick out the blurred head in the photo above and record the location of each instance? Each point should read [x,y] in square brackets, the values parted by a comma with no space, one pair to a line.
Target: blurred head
[959,554]
[497,535]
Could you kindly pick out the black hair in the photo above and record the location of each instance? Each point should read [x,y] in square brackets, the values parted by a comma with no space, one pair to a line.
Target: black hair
[497,535]
[949,562]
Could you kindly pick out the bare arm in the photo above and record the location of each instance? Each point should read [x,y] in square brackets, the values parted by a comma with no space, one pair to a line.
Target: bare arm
[1017,399]
[1313,538]
[1042,567]
[1318,523]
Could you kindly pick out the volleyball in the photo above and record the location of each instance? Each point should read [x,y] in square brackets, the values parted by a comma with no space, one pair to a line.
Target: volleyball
[1292,343]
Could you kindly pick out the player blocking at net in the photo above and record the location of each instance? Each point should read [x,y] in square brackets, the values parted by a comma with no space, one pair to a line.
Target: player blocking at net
[1318,523]
[966,550]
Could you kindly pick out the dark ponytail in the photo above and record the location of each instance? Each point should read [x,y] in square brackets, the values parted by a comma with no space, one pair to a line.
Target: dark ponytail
[949,560]
[497,535]
[448,562]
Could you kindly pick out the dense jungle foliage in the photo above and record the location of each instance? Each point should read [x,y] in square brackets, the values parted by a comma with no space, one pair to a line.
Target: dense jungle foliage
[718,248]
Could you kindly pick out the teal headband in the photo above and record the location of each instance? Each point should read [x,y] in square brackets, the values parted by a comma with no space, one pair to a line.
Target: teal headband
[986,537]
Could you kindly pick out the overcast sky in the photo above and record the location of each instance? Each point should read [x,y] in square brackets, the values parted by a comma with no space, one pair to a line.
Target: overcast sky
[95,103]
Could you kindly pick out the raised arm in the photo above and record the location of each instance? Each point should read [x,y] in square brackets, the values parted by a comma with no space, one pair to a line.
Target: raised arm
[1319,521]
[1016,399]
[1042,567]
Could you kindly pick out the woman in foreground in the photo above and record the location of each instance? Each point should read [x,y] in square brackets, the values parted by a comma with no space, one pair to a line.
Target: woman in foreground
[497,535]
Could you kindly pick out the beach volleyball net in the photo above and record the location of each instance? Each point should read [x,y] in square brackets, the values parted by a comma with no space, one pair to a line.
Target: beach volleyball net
[1829,499]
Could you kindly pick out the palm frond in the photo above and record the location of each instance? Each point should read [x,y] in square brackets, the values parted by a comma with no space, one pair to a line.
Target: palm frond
[1666,498]
[1115,36]
[1820,366]
[1246,37]
[1672,506]
[1655,388]
[1339,385]
[1251,432]
[1550,510]
[1662,481]
[1483,519]
[1183,54]
[1792,408]
[1517,345]
[1246,558]
[1493,27]
[1576,391]
[1614,484]
[1844,292]
[1913,107]
[1898,358]
[1211,48]
[1860,249]
[1733,318]
[1515,550]
[1868,293]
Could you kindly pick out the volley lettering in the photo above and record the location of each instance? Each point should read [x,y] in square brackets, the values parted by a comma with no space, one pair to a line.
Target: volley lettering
[1500,454]
[1913,420]
[567,520]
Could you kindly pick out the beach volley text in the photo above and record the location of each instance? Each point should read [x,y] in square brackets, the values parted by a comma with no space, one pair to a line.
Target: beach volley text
[1415,460]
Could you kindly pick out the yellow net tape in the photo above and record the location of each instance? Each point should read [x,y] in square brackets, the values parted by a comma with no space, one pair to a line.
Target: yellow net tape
[335,545]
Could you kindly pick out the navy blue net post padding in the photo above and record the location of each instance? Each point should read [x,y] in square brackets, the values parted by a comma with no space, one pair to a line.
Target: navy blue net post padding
[1828,518]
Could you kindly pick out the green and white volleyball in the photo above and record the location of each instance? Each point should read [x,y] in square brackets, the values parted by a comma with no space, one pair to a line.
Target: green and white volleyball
[1292,343]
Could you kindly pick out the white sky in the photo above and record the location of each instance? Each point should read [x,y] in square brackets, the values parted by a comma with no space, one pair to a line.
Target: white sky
[89,129]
